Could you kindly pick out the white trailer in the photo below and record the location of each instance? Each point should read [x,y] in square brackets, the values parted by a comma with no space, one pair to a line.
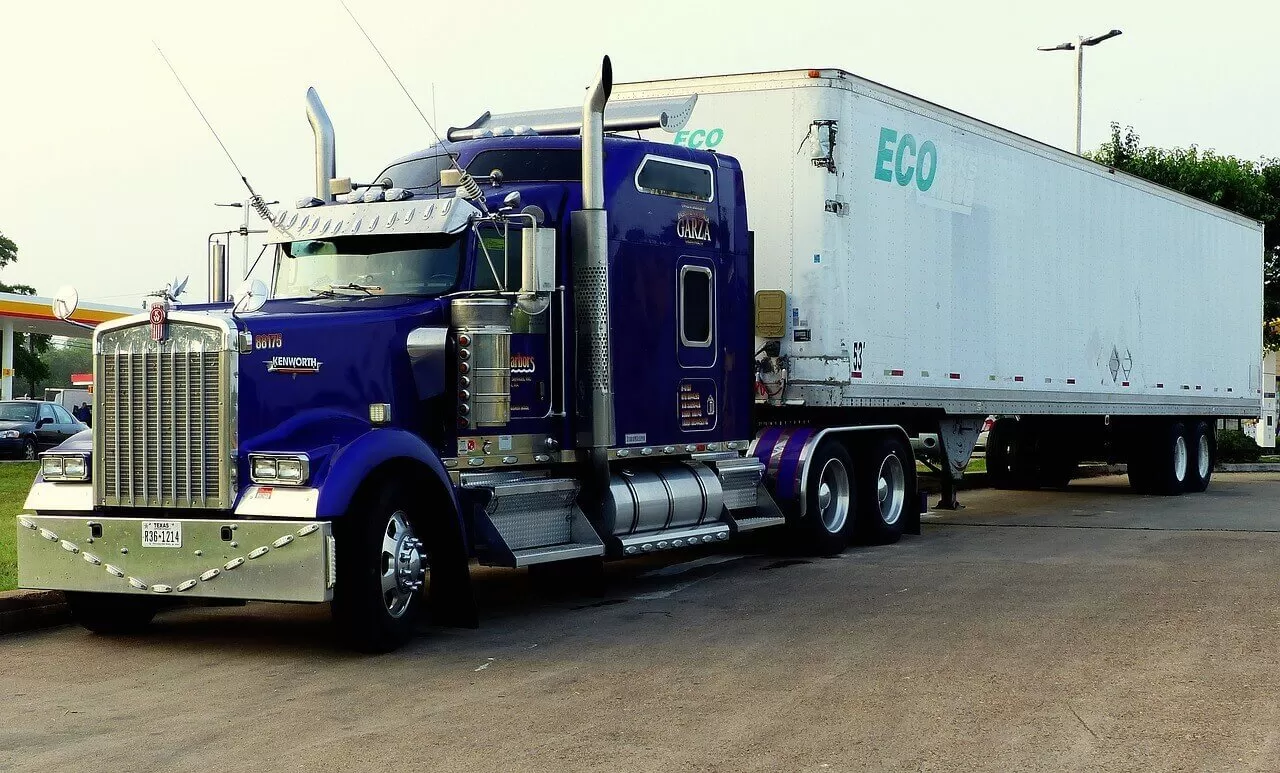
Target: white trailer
[937,266]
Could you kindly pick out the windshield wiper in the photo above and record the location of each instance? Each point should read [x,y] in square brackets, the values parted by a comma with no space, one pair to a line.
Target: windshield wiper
[333,291]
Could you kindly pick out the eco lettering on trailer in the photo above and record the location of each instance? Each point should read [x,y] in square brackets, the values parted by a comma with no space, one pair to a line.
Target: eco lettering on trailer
[699,138]
[898,159]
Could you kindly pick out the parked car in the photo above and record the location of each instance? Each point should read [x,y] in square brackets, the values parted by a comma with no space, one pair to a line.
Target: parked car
[28,427]
[981,445]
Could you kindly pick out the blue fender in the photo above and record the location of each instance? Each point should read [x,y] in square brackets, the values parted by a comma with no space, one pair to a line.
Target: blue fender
[352,464]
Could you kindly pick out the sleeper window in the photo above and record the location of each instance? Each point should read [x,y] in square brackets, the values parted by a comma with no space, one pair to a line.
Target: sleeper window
[668,177]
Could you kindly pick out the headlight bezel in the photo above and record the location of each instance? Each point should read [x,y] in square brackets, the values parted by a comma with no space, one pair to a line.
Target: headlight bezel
[269,469]
[53,467]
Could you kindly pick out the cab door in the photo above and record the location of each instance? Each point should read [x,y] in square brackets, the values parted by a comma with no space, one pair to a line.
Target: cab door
[697,347]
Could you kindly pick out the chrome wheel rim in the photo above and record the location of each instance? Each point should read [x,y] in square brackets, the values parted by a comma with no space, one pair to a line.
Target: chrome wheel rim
[1202,457]
[833,495]
[29,451]
[403,564]
[1180,458]
[891,489]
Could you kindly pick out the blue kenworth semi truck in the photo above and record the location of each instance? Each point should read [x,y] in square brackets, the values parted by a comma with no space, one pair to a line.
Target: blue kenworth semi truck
[537,341]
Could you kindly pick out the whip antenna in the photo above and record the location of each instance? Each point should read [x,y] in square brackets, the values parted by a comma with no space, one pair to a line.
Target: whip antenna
[255,200]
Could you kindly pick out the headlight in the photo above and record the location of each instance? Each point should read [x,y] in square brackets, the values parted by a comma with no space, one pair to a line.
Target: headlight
[10,434]
[69,467]
[279,469]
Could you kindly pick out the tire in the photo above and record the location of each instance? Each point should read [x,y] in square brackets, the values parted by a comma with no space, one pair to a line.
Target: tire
[29,450]
[1011,461]
[111,613]
[830,502]
[1169,459]
[885,485]
[379,601]
[1203,453]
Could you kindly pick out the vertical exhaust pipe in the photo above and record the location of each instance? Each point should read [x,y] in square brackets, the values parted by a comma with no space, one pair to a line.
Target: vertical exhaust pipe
[326,148]
[217,272]
[591,279]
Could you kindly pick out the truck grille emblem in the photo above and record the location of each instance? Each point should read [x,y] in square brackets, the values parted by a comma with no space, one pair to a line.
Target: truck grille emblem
[159,322]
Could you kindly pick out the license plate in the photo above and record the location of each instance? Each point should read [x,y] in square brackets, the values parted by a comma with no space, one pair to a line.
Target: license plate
[162,534]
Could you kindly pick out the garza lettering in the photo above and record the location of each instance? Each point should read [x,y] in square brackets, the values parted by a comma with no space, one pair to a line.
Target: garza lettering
[294,365]
[693,227]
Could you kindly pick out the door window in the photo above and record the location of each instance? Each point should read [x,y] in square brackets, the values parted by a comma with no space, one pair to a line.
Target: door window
[697,298]
[63,416]
[46,412]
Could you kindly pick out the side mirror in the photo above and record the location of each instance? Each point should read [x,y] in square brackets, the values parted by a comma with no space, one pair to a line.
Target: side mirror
[65,302]
[538,252]
[43,420]
[250,297]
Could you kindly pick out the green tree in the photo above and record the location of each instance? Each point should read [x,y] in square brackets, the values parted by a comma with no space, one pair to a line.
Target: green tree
[1251,188]
[65,358]
[27,347]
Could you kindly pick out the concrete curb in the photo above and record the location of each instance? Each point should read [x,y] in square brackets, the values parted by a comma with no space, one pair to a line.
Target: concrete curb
[27,610]
[1251,467]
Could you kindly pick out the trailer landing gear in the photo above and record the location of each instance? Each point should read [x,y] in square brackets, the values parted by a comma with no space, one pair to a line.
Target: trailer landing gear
[957,436]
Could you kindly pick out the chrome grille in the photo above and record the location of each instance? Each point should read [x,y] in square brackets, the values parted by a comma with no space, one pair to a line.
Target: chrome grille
[161,418]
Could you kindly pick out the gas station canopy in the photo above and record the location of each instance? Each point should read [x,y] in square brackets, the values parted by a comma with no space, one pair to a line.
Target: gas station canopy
[34,314]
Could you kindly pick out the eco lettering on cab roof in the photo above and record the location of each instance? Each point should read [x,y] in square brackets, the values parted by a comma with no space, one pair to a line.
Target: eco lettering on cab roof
[898,159]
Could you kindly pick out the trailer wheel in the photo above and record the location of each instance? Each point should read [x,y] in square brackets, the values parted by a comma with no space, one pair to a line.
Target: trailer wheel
[1011,462]
[1170,459]
[1200,443]
[111,613]
[378,600]
[829,501]
[886,491]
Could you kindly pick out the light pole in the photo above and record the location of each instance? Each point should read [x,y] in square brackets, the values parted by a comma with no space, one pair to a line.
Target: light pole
[247,206]
[1078,47]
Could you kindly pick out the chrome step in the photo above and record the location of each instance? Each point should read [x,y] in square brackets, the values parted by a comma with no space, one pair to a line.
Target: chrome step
[765,513]
[670,539]
[530,519]
[531,556]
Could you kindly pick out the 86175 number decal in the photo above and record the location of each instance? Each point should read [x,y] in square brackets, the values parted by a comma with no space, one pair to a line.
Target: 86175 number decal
[162,534]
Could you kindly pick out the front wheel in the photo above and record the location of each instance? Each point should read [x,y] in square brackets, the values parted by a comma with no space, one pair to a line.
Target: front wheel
[829,501]
[29,450]
[111,613]
[378,603]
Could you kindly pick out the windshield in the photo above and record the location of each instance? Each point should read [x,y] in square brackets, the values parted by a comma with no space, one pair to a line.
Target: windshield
[17,412]
[397,264]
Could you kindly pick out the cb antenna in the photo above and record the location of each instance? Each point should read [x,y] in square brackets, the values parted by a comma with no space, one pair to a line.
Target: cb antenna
[392,70]
[255,200]
[470,188]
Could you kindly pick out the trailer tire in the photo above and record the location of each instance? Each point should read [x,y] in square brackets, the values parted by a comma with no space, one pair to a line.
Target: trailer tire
[1170,459]
[830,501]
[111,613]
[376,605]
[1203,455]
[885,491]
[1011,455]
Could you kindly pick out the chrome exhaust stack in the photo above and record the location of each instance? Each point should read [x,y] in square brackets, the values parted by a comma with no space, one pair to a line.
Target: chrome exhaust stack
[326,146]
[590,227]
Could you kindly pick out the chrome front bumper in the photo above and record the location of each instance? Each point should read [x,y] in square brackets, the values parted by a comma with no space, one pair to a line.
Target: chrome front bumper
[274,560]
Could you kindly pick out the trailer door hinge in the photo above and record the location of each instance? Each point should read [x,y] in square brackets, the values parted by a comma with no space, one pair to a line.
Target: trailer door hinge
[838,205]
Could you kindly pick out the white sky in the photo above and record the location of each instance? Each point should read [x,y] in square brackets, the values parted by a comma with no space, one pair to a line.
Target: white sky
[108,177]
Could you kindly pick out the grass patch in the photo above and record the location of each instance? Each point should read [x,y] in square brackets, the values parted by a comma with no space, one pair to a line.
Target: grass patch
[15,481]
[976,464]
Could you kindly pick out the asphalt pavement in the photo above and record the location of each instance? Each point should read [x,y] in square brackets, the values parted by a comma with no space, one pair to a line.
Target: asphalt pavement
[1089,629]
